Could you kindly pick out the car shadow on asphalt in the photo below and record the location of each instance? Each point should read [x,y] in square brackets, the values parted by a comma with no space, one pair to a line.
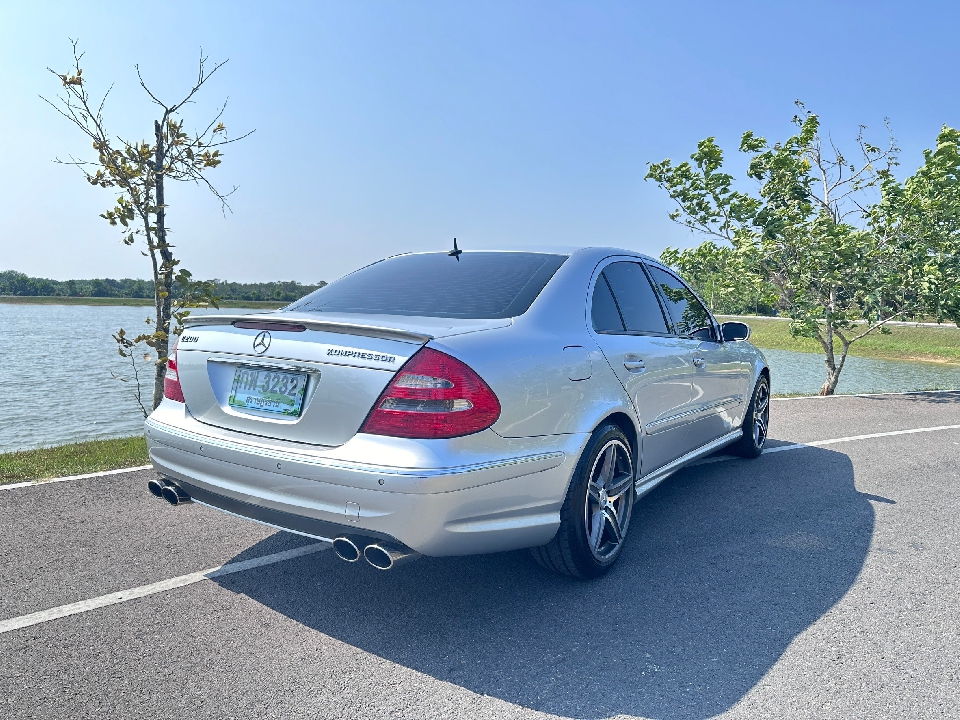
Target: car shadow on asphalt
[725,565]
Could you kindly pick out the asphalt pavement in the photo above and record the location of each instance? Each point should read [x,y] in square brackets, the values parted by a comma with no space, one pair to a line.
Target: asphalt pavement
[821,581]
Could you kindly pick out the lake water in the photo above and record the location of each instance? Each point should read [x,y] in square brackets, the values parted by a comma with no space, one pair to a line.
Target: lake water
[794,372]
[56,384]
[55,374]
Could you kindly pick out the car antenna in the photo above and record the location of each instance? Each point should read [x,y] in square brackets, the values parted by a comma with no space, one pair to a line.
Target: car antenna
[456,252]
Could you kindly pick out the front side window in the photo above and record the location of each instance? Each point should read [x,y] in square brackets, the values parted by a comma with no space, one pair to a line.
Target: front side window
[689,315]
[478,285]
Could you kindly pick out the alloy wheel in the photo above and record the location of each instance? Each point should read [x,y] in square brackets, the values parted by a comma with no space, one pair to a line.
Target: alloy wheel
[761,413]
[607,509]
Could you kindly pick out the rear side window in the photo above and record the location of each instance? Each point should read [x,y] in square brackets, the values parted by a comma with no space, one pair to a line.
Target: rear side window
[689,315]
[606,316]
[636,301]
[480,285]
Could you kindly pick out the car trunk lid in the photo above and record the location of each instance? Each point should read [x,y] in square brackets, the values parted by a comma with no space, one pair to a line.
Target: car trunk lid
[343,363]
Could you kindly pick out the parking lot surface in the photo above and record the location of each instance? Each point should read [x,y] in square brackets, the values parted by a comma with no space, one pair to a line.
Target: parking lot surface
[822,581]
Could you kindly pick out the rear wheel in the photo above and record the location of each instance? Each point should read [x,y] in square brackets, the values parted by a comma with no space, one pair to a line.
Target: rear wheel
[756,422]
[596,513]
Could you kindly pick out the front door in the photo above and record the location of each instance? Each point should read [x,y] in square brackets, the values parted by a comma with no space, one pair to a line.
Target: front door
[654,366]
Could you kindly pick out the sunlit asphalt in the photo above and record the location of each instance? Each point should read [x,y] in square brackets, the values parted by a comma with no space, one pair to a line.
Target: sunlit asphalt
[822,582]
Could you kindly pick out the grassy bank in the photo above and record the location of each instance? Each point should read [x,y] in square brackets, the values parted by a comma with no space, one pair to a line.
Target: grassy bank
[932,344]
[74,459]
[125,302]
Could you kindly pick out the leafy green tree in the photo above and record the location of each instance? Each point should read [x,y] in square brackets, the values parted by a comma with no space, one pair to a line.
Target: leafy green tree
[138,173]
[920,217]
[808,232]
[714,271]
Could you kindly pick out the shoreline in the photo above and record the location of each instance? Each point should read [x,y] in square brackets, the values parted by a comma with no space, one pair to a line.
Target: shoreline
[126,302]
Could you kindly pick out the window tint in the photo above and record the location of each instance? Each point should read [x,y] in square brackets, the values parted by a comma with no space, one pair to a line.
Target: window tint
[479,285]
[606,317]
[689,315]
[637,301]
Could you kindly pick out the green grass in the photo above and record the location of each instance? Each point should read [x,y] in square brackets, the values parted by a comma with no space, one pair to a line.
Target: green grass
[73,459]
[932,344]
[126,302]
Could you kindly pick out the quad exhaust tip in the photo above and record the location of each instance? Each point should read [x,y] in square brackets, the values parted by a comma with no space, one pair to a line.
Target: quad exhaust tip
[168,490]
[347,548]
[386,556]
[381,555]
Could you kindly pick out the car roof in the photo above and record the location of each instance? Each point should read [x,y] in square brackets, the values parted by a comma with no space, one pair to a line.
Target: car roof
[584,252]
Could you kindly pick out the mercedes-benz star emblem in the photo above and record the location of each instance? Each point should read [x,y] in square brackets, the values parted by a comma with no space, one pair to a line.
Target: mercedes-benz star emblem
[261,342]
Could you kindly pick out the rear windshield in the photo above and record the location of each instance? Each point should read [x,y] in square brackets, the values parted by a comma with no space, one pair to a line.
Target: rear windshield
[479,285]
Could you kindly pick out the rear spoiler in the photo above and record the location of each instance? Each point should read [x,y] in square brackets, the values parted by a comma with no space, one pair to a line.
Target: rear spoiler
[344,328]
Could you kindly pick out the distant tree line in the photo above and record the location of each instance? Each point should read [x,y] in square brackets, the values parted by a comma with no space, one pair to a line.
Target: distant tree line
[17,283]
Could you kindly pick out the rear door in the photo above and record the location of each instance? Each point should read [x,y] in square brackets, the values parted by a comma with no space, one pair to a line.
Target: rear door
[718,379]
[654,366]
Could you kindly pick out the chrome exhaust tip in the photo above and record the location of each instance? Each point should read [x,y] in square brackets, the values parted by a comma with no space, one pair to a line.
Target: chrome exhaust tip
[155,487]
[386,556]
[174,494]
[346,549]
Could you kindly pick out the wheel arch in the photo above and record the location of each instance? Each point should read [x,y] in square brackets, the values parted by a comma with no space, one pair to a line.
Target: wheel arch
[626,424]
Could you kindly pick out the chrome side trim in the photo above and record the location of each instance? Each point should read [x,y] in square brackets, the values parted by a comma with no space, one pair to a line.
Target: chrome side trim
[649,482]
[736,400]
[343,328]
[355,467]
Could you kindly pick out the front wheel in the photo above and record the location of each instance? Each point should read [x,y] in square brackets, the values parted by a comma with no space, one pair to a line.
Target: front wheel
[755,422]
[596,512]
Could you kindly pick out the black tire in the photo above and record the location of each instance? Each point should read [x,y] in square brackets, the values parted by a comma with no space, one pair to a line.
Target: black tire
[593,521]
[756,422]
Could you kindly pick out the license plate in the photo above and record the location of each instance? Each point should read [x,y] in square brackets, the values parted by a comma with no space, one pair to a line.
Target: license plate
[268,391]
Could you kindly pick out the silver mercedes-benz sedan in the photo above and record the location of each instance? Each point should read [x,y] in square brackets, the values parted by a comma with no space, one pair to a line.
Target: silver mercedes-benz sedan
[459,403]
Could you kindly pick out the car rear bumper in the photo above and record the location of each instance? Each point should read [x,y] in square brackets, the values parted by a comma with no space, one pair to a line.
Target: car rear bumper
[502,499]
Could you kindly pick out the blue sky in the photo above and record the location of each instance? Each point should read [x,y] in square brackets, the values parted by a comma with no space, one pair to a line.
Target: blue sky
[384,127]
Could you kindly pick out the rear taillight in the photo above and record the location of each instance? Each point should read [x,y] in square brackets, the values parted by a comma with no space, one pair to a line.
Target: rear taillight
[171,381]
[433,396]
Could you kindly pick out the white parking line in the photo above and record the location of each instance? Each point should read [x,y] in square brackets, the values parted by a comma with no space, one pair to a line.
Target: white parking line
[863,395]
[157,587]
[104,473]
[832,441]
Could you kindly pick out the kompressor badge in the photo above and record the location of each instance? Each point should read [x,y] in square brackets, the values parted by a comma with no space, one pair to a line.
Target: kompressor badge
[360,355]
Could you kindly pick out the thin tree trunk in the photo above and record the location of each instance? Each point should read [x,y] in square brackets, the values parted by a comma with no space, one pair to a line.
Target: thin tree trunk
[166,270]
[833,370]
[833,374]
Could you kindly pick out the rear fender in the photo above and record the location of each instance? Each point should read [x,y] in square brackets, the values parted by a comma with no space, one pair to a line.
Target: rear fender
[529,373]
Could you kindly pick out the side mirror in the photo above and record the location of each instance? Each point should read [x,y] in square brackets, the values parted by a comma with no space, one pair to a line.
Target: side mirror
[735,331]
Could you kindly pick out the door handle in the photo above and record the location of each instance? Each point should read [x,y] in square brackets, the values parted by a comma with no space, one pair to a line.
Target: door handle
[633,363]
[699,362]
